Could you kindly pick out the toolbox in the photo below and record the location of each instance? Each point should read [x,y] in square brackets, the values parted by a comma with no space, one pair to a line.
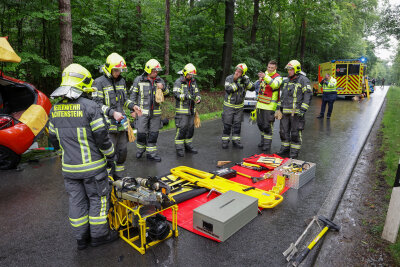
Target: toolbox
[296,179]
[225,214]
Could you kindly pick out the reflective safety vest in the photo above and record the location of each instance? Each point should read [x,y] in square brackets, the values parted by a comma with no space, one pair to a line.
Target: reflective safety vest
[330,86]
[269,93]
[79,129]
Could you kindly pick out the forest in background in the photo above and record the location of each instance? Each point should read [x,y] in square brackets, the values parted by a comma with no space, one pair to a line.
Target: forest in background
[214,35]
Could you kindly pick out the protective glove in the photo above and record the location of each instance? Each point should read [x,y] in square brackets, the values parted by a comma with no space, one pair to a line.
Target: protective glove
[189,96]
[278,114]
[111,164]
[302,112]
[267,78]
[198,99]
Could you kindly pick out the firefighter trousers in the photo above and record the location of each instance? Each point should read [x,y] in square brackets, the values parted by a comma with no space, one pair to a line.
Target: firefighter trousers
[88,205]
[232,119]
[147,133]
[290,131]
[327,99]
[265,123]
[184,130]
[120,142]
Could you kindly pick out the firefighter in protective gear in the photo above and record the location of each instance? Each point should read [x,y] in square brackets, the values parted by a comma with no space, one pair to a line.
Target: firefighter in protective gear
[236,86]
[295,100]
[267,101]
[328,96]
[78,127]
[186,95]
[111,96]
[143,93]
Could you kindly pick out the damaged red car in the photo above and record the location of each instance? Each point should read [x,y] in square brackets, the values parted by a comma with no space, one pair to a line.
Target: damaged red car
[24,112]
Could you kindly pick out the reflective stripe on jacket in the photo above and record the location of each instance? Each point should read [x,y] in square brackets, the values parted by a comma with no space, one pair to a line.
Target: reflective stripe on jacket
[111,95]
[143,92]
[79,129]
[182,89]
[235,91]
[296,94]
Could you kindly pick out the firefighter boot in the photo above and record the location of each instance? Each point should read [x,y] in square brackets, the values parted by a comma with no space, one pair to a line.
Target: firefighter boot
[190,149]
[321,116]
[261,144]
[180,153]
[110,237]
[236,143]
[267,146]
[294,153]
[284,152]
[139,154]
[84,242]
[153,156]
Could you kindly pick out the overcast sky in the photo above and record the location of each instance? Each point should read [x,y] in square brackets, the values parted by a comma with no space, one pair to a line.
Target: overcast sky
[390,52]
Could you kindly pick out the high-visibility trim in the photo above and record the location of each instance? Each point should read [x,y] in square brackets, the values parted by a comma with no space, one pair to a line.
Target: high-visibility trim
[235,138]
[108,151]
[232,105]
[267,136]
[113,127]
[127,103]
[224,138]
[51,127]
[288,110]
[249,85]
[103,208]
[59,142]
[96,124]
[119,168]
[84,145]
[105,109]
[187,141]
[179,142]
[151,148]
[182,111]
[304,106]
[140,146]
[98,220]
[84,167]
[295,146]
[285,144]
[79,221]
[182,97]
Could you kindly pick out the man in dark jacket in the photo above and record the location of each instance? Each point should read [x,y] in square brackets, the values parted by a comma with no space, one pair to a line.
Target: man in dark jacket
[143,94]
[186,95]
[111,95]
[295,100]
[77,127]
[236,86]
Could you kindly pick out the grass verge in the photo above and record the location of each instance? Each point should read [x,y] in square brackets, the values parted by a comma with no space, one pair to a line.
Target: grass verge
[391,148]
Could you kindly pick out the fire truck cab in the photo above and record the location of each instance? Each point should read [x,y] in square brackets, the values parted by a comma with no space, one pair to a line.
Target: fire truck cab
[349,74]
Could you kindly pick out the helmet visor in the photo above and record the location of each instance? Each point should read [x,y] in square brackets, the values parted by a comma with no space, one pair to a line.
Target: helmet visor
[121,69]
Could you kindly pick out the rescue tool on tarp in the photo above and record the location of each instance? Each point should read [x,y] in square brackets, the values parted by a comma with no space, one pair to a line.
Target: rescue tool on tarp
[266,199]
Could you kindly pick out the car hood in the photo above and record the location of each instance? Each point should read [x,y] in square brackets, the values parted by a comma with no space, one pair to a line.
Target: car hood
[7,53]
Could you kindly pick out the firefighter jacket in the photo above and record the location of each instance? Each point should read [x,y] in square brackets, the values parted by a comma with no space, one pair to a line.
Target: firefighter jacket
[329,87]
[143,94]
[111,96]
[79,129]
[296,95]
[235,91]
[269,92]
[186,93]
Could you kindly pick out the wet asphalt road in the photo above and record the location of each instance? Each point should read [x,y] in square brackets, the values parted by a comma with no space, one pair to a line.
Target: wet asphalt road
[34,211]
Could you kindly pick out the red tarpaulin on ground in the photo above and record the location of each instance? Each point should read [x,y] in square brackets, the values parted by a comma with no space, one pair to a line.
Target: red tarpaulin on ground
[185,209]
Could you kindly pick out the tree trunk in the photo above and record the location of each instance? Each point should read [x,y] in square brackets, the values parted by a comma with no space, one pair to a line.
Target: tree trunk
[303,40]
[66,48]
[255,21]
[279,38]
[139,24]
[228,40]
[191,4]
[167,27]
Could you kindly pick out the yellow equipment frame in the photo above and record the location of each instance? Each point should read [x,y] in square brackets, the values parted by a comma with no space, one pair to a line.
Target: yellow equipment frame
[124,213]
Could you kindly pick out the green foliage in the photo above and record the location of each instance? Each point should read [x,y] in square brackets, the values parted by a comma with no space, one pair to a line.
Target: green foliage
[135,29]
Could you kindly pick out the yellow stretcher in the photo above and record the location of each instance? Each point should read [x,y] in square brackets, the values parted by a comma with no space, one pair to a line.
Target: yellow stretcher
[266,199]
